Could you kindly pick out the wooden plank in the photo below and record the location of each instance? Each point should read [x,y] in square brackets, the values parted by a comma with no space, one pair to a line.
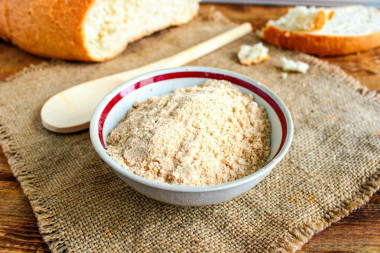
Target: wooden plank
[18,225]
[13,60]
[360,231]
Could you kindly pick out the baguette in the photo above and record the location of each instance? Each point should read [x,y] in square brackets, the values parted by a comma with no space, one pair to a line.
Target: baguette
[339,31]
[87,30]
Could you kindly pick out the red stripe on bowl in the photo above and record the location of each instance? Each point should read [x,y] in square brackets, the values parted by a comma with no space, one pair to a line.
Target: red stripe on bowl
[194,74]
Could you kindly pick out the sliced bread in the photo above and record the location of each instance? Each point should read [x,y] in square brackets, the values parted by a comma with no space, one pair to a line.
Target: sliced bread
[87,30]
[294,66]
[325,31]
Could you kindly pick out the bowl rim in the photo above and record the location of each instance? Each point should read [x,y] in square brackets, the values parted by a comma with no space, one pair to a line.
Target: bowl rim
[97,143]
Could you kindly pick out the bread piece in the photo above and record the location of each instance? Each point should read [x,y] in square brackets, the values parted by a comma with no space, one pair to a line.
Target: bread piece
[253,54]
[284,75]
[294,66]
[351,29]
[87,30]
[302,18]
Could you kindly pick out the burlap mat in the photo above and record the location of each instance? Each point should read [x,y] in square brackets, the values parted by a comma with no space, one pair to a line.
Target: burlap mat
[331,168]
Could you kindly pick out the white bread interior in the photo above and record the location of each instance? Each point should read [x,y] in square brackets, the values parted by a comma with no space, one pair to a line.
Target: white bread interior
[110,24]
[302,18]
[294,66]
[346,30]
[253,54]
[343,21]
[352,21]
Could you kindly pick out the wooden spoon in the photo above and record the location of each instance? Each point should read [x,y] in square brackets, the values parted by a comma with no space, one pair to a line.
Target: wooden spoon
[71,110]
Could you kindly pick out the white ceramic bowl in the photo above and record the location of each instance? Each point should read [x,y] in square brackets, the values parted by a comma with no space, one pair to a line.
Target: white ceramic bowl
[115,105]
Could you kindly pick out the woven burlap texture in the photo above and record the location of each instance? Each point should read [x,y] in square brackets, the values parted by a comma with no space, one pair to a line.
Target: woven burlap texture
[331,168]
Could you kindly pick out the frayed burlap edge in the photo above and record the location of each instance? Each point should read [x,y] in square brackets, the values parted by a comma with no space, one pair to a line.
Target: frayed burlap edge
[32,68]
[292,240]
[47,223]
[339,74]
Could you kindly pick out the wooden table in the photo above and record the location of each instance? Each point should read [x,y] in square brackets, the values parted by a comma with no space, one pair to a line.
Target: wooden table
[360,231]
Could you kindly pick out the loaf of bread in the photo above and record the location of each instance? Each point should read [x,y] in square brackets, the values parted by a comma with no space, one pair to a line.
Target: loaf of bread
[87,30]
[325,31]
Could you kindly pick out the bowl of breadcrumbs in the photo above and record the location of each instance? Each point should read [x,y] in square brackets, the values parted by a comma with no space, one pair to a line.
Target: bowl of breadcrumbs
[191,135]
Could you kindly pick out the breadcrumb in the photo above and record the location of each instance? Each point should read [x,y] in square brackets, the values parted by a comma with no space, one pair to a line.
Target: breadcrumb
[204,135]
[296,66]
[255,54]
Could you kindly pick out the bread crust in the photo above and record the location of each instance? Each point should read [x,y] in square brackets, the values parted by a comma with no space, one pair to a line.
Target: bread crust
[321,19]
[47,28]
[251,62]
[4,27]
[317,44]
[51,28]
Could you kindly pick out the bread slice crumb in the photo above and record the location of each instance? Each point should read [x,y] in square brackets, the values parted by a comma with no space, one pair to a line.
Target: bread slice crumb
[348,29]
[255,54]
[295,66]
[302,18]
[284,75]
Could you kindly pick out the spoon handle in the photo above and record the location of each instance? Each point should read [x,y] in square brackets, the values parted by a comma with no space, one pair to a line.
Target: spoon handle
[71,110]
